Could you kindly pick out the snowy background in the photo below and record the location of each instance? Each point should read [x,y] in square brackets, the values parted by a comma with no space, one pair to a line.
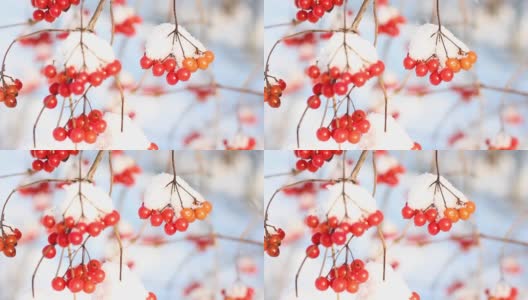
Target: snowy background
[495,30]
[231,29]
[231,181]
[495,181]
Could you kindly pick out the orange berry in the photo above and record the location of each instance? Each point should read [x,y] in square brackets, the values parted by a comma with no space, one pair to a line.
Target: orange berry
[453,64]
[11,240]
[465,63]
[209,56]
[207,206]
[451,214]
[203,63]
[190,64]
[1,245]
[463,213]
[472,56]
[200,213]
[187,214]
[471,207]
[276,90]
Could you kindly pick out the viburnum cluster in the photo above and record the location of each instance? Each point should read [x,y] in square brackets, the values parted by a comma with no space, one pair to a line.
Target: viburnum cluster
[9,241]
[125,18]
[125,168]
[81,278]
[389,19]
[388,169]
[308,38]
[334,232]
[434,49]
[272,241]
[83,128]
[171,200]
[348,127]
[346,277]
[273,91]
[172,50]
[502,141]
[9,91]
[50,10]
[312,160]
[434,200]
[313,10]
[48,160]
[238,292]
[502,291]
[240,142]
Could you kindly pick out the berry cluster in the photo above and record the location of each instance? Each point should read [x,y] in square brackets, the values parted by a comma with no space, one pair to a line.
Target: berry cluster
[43,38]
[127,25]
[152,296]
[273,93]
[348,127]
[438,223]
[414,296]
[127,176]
[391,25]
[8,242]
[391,176]
[175,223]
[48,160]
[347,277]
[9,91]
[503,142]
[239,293]
[306,188]
[313,10]
[308,38]
[50,10]
[84,128]
[41,188]
[333,232]
[312,160]
[70,81]
[177,73]
[439,74]
[69,232]
[502,292]
[272,242]
[82,278]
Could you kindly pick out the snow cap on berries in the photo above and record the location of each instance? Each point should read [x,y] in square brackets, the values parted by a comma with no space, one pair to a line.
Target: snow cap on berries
[395,138]
[424,44]
[359,54]
[129,287]
[159,193]
[360,204]
[237,291]
[95,202]
[96,53]
[132,137]
[393,287]
[422,193]
[162,42]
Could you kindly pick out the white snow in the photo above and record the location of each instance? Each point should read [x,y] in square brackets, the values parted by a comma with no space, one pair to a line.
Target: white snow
[132,137]
[360,203]
[422,194]
[385,163]
[501,140]
[96,53]
[396,138]
[360,52]
[95,202]
[161,43]
[130,287]
[122,13]
[122,162]
[159,193]
[238,290]
[423,44]
[387,13]
[394,287]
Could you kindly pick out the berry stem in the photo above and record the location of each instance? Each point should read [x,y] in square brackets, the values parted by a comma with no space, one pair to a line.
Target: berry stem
[359,16]
[95,164]
[96,15]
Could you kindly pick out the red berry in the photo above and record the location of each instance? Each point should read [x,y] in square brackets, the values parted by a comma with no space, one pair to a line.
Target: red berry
[322,283]
[58,283]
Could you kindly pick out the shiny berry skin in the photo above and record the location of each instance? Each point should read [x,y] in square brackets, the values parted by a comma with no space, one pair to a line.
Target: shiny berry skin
[312,251]
[322,284]
[433,228]
[58,284]
[444,224]
[407,212]
[409,63]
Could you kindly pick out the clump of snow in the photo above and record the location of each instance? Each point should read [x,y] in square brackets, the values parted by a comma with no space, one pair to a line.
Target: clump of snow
[360,202]
[387,13]
[422,193]
[93,54]
[393,287]
[129,287]
[159,193]
[385,163]
[424,44]
[162,42]
[132,137]
[359,53]
[395,138]
[500,141]
[237,291]
[501,290]
[122,162]
[94,202]
[122,13]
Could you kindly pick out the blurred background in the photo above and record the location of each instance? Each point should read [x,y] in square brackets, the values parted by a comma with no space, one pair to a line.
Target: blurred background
[440,267]
[442,117]
[173,267]
[173,117]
